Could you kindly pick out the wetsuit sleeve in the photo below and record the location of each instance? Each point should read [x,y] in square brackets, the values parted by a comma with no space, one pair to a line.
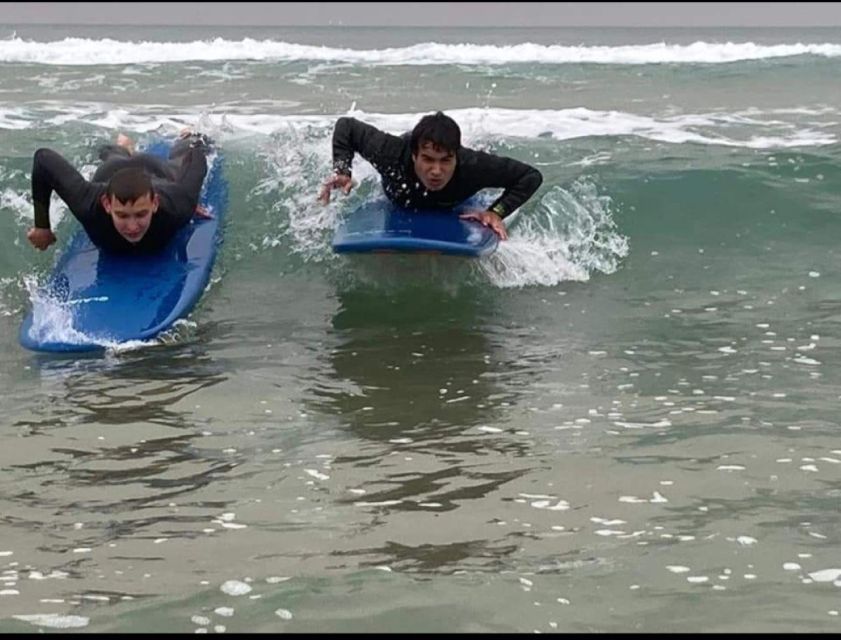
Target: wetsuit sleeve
[51,172]
[352,136]
[181,196]
[192,172]
[519,180]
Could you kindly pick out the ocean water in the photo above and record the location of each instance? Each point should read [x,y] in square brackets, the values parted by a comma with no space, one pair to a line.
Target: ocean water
[624,420]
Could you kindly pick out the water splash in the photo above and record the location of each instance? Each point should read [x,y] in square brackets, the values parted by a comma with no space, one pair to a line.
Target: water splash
[299,161]
[52,314]
[567,236]
[53,318]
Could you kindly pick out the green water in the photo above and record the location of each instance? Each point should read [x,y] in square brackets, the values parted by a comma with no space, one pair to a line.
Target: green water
[624,420]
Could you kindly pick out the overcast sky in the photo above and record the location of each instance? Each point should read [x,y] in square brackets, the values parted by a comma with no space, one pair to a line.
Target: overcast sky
[514,14]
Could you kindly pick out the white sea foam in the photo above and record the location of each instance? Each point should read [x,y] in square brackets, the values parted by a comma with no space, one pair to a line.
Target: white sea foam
[235,588]
[531,259]
[477,124]
[53,320]
[826,575]
[54,620]
[18,202]
[12,119]
[86,51]
[570,235]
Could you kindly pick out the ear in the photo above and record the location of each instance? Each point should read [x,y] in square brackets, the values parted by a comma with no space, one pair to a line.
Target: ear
[156,202]
[105,201]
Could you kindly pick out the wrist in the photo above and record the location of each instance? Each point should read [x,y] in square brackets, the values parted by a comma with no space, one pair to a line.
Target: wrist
[341,167]
[498,209]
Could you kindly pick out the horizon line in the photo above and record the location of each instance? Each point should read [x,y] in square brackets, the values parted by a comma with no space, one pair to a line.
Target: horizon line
[421,26]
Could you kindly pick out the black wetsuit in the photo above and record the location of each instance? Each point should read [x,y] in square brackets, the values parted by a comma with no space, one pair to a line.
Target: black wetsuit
[392,158]
[177,182]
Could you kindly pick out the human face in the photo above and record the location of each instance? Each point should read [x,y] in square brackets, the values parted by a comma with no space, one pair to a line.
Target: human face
[434,166]
[131,219]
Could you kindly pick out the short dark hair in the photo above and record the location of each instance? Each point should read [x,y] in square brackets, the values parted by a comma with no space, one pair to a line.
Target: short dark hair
[127,185]
[439,129]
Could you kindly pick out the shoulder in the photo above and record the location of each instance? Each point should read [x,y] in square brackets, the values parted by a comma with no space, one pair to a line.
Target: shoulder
[351,122]
[483,161]
[471,158]
[44,153]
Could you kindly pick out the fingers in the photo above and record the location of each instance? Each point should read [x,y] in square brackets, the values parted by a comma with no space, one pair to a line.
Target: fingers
[336,182]
[39,239]
[39,244]
[498,227]
[495,223]
[478,217]
[324,196]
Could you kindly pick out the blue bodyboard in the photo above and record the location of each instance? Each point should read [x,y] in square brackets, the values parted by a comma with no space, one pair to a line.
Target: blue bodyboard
[380,227]
[93,299]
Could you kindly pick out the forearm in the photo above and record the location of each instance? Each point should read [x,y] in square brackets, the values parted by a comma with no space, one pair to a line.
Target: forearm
[517,193]
[343,149]
[193,172]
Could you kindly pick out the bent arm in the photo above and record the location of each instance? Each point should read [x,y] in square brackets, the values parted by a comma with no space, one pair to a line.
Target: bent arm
[192,173]
[519,180]
[353,136]
[179,198]
[51,172]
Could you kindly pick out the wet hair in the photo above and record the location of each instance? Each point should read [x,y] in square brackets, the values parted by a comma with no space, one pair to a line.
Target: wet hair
[127,185]
[439,129]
